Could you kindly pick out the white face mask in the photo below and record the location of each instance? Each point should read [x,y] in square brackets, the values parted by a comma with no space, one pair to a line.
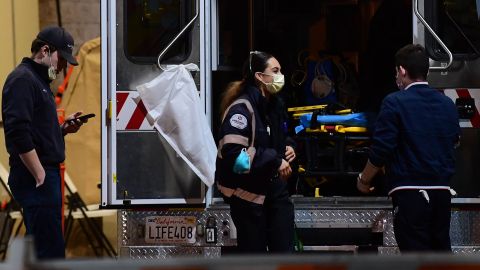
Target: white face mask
[52,73]
[277,84]
[399,80]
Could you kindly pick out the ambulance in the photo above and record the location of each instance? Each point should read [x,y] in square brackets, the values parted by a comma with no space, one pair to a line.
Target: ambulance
[166,208]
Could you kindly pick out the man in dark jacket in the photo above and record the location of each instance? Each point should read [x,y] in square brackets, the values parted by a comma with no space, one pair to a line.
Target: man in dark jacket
[414,139]
[34,138]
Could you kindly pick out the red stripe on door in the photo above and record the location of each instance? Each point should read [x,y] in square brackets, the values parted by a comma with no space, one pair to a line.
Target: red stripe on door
[121,98]
[138,116]
[462,92]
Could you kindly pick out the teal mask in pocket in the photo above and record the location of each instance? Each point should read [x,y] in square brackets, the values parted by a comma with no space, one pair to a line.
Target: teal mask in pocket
[242,163]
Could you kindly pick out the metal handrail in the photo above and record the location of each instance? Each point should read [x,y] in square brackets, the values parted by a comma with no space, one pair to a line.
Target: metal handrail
[162,53]
[424,22]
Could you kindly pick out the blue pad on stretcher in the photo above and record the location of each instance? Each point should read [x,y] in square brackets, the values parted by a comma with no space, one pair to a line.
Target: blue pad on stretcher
[352,119]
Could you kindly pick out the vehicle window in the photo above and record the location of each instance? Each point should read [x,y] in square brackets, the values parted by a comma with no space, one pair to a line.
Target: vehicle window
[457,23]
[150,25]
[233,32]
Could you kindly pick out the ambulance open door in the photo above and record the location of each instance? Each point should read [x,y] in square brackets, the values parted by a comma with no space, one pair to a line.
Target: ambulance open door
[138,166]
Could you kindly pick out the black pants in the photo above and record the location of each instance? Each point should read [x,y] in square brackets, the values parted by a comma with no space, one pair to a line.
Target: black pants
[268,227]
[422,225]
[41,210]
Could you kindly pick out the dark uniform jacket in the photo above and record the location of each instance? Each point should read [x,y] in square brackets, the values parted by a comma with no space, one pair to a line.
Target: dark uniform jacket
[270,117]
[30,117]
[415,137]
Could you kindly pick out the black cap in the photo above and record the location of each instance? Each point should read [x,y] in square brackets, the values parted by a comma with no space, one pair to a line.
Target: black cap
[61,39]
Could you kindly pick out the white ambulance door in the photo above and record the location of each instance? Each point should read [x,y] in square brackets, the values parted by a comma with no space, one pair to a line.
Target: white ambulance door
[138,166]
[450,32]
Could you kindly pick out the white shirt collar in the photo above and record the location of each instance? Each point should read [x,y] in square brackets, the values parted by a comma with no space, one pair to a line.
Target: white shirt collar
[415,83]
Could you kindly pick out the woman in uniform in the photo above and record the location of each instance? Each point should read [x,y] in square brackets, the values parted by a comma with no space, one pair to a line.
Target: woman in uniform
[254,117]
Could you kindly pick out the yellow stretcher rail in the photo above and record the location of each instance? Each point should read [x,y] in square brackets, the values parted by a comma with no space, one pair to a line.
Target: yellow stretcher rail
[299,111]
[337,128]
[344,111]
[306,108]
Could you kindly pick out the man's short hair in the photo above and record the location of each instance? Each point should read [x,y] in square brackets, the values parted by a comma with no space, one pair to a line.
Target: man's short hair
[414,60]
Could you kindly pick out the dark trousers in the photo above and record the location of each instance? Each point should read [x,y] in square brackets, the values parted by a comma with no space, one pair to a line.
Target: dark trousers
[268,227]
[41,210]
[422,225]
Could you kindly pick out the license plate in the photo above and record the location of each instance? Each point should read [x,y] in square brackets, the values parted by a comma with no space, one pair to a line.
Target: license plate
[170,229]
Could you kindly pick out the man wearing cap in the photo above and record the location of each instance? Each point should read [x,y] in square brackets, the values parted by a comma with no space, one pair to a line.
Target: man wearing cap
[34,138]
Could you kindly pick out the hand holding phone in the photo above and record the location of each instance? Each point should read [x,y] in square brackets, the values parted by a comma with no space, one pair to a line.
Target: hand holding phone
[82,118]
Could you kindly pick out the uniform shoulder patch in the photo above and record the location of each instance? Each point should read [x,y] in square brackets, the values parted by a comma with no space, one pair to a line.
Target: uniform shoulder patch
[238,121]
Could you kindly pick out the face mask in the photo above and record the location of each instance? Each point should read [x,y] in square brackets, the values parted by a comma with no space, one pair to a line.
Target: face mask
[277,84]
[399,85]
[399,81]
[52,74]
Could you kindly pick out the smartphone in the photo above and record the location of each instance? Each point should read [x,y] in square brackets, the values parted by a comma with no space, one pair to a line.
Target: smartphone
[82,117]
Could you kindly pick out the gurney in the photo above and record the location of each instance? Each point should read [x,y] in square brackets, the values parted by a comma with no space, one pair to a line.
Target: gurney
[332,148]
[324,118]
